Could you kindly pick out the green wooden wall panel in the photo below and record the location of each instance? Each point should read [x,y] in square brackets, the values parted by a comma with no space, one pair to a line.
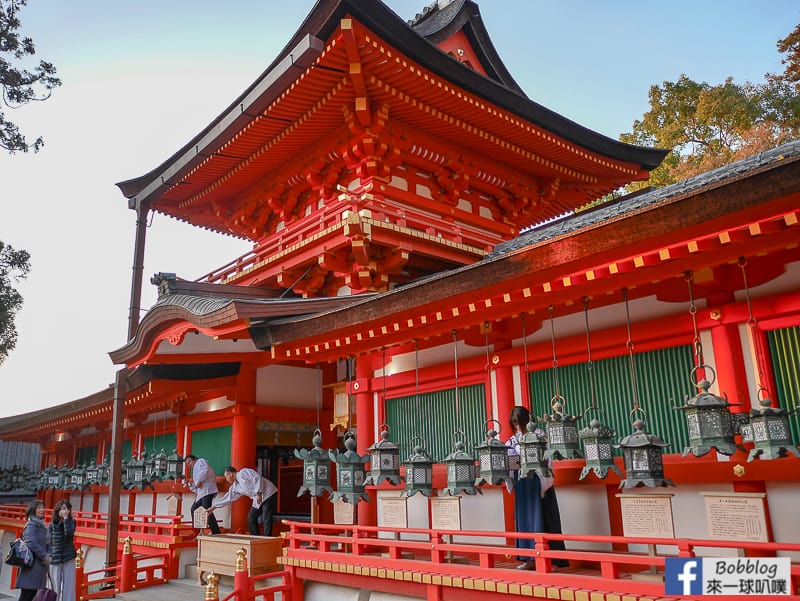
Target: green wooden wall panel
[433,418]
[160,442]
[784,348]
[662,379]
[86,455]
[214,445]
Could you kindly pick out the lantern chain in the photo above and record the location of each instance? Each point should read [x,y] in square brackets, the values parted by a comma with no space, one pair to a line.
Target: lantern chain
[698,345]
[455,366]
[416,382]
[319,392]
[629,346]
[524,344]
[589,363]
[752,325]
[555,359]
[350,361]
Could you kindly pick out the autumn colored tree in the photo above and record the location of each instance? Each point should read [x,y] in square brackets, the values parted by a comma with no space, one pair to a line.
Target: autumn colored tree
[20,85]
[709,126]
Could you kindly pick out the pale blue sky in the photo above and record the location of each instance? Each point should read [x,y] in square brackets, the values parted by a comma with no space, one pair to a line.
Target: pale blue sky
[141,78]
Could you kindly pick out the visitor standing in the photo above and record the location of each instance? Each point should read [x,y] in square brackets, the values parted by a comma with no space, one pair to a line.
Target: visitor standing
[31,579]
[63,551]
[535,503]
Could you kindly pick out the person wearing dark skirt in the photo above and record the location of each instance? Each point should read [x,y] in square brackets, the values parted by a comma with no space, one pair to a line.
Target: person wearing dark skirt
[62,547]
[35,535]
[535,502]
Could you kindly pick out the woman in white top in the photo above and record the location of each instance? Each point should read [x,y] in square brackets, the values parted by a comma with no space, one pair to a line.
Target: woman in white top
[249,483]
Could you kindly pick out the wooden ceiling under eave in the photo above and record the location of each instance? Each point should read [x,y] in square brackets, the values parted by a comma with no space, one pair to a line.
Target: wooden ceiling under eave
[290,128]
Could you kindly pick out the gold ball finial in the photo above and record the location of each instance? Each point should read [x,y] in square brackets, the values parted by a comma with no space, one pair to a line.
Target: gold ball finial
[212,589]
[241,559]
[126,549]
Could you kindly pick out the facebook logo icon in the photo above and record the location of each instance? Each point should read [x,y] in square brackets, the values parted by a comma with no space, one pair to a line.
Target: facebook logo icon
[683,576]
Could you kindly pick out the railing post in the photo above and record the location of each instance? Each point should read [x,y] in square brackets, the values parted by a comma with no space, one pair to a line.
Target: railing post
[128,575]
[212,590]
[80,579]
[241,580]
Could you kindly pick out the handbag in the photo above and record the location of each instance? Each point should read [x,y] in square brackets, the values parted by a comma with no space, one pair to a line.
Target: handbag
[47,593]
[19,554]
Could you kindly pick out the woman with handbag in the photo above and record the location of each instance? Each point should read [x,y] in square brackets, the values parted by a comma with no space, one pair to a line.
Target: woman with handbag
[62,547]
[30,580]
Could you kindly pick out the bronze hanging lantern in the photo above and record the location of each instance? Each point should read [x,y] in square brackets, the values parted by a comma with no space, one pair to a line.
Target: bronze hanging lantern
[641,450]
[91,473]
[533,454]
[461,469]
[350,472]
[493,459]
[708,418]
[134,472]
[597,437]
[562,432]
[643,462]
[598,449]
[384,464]
[768,426]
[103,471]
[561,428]
[771,434]
[316,461]
[159,466]
[419,471]
[64,477]
[78,477]
[419,465]
[175,465]
[316,468]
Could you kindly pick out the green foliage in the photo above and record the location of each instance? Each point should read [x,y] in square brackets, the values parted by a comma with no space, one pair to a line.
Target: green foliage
[14,266]
[20,85]
[709,126]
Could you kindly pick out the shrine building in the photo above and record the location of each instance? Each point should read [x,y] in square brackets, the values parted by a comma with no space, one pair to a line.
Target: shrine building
[428,252]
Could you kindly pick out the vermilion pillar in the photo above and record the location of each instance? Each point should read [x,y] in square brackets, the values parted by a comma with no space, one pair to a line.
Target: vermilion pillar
[729,365]
[243,439]
[365,433]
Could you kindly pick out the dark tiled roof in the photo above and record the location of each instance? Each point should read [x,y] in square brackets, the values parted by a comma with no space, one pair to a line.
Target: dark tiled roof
[625,205]
[320,24]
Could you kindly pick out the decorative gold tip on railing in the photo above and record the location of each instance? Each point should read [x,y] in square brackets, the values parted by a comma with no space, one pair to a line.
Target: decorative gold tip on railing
[212,590]
[126,549]
[241,559]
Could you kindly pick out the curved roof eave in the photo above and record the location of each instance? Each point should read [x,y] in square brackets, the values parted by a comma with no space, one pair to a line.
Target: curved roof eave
[465,15]
[24,421]
[204,312]
[307,43]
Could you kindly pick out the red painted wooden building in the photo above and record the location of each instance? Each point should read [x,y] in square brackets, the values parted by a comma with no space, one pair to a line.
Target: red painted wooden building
[420,259]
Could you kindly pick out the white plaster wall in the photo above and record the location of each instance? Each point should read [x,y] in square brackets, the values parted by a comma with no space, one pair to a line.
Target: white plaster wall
[143,504]
[783,498]
[287,386]
[584,510]
[6,536]
[319,591]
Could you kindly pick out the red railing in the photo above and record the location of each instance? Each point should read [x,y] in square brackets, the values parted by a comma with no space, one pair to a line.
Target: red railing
[421,557]
[148,543]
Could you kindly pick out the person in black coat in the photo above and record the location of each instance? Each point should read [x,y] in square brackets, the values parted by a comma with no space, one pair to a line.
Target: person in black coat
[35,535]
[62,547]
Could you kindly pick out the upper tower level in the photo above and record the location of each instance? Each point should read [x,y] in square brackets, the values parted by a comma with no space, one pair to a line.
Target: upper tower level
[373,152]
